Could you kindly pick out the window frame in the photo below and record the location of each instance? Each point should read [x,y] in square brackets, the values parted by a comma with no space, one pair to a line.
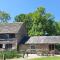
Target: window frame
[32,46]
[8,46]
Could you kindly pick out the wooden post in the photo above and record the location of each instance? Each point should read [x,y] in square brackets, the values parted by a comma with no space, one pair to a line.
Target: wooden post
[4,57]
[54,46]
[3,52]
[51,46]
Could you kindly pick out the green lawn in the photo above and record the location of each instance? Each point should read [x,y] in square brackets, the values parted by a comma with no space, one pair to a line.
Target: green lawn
[47,58]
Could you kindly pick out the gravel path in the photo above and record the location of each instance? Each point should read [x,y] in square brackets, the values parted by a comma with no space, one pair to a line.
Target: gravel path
[30,56]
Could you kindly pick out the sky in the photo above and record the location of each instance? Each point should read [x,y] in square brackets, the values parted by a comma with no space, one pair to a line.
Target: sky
[15,7]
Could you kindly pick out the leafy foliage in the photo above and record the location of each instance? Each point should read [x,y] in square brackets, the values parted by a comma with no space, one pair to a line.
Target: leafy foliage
[39,22]
[58,28]
[4,17]
[9,54]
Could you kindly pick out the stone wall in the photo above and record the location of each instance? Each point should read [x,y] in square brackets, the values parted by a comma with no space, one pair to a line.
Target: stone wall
[37,47]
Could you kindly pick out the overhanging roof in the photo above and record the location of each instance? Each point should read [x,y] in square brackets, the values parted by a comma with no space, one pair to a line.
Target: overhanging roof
[43,39]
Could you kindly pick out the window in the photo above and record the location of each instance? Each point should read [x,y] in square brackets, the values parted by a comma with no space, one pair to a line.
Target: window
[51,47]
[7,46]
[32,47]
[6,36]
[11,35]
[33,50]
[1,45]
[3,36]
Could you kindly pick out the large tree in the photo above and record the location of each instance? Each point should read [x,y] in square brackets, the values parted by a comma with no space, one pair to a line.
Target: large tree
[39,22]
[43,23]
[4,17]
[26,18]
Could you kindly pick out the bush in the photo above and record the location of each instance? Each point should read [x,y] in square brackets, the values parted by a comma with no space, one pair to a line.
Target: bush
[10,54]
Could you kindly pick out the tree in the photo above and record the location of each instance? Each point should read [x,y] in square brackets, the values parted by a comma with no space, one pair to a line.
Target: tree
[43,23]
[4,17]
[26,18]
[58,28]
[38,22]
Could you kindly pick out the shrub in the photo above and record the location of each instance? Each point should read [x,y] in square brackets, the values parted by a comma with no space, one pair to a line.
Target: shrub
[10,54]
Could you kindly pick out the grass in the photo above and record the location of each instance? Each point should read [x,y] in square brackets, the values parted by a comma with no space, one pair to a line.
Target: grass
[47,58]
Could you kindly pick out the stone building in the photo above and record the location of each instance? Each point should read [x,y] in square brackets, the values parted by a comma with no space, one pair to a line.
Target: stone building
[11,34]
[41,43]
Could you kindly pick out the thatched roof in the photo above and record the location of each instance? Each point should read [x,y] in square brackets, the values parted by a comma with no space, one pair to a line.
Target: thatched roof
[43,39]
[10,27]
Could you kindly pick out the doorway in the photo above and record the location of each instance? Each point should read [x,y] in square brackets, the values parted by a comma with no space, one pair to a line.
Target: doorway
[51,47]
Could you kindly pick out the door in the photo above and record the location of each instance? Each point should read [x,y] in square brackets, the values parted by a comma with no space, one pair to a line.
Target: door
[51,47]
